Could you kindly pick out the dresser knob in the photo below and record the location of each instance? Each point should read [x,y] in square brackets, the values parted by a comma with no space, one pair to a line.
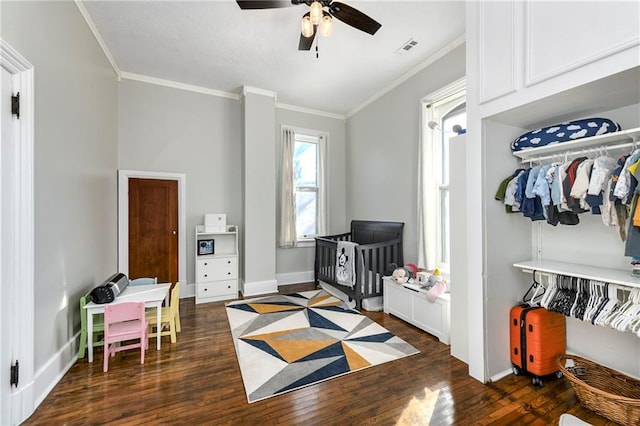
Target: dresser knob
[205,275]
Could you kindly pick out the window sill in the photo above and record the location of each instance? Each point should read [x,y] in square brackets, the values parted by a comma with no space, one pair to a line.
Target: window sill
[306,243]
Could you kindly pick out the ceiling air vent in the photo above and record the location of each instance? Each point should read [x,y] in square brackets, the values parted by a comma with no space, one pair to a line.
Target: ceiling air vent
[407,47]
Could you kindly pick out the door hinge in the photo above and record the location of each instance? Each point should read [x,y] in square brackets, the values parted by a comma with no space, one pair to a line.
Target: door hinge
[14,374]
[15,105]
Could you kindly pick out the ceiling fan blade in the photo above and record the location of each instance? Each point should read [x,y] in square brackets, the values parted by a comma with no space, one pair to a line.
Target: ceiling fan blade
[306,42]
[263,4]
[354,17]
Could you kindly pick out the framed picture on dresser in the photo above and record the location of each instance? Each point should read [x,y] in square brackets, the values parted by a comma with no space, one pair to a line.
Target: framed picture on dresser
[206,247]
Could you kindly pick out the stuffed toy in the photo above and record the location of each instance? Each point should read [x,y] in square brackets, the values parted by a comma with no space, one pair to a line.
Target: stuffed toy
[403,274]
[437,284]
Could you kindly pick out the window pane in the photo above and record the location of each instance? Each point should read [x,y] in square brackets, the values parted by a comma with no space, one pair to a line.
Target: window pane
[456,117]
[306,213]
[444,225]
[305,164]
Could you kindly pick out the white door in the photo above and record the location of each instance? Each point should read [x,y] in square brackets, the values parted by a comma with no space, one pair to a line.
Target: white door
[6,128]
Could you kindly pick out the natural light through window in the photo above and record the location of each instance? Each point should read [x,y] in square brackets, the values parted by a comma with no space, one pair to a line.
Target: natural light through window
[444,116]
[305,176]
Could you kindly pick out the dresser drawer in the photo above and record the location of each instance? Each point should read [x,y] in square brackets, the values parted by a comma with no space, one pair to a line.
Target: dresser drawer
[224,268]
[218,288]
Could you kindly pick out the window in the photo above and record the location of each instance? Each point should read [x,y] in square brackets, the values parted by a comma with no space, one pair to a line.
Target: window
[302,212]
[441,112]
[306,185]
[457,116]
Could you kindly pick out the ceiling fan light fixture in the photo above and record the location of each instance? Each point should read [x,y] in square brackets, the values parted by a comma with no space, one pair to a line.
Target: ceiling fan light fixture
[307,26]
[326,28]
[316,13]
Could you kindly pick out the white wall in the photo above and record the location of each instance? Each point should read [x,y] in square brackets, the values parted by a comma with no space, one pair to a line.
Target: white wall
[75,162]
[296,264]
[382,149]
[163,129]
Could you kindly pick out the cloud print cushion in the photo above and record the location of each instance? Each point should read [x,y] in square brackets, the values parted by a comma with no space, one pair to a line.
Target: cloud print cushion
[564,132]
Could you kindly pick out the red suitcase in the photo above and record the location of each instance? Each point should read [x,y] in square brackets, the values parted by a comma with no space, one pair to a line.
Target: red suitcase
[537,337]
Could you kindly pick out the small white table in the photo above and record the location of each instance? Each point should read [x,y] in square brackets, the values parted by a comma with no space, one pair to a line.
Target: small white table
[152,296]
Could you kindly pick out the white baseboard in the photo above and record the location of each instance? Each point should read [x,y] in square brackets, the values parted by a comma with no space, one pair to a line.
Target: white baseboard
[48,376]
[188,290]
[259,287]
[295,278]
[501,375]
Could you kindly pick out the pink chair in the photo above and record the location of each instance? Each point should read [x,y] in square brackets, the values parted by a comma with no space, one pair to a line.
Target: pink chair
[124,321]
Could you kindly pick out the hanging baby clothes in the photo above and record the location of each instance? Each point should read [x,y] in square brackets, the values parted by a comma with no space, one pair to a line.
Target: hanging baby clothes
[567,184]
[501,193]
[510,192]
[600,174]
[581,183]
[532,206]
[542,189]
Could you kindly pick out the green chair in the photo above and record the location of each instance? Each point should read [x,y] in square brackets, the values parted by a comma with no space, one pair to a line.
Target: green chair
[98,328]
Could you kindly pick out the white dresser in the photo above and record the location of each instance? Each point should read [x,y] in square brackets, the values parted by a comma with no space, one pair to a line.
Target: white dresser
[216,273]
[409,302]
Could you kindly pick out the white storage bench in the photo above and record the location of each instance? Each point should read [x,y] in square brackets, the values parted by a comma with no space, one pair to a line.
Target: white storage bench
[409,303]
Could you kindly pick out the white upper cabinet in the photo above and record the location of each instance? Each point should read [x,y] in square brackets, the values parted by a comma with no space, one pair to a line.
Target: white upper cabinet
[528,50]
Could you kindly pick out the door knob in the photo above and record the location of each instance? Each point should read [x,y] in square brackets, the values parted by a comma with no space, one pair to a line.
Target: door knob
[173,232]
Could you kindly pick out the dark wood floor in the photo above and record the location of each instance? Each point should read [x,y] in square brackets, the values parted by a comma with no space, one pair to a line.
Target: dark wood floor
[197,382]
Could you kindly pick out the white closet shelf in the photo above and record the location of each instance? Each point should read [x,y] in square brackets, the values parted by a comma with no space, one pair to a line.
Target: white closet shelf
[613,276]
[623,138]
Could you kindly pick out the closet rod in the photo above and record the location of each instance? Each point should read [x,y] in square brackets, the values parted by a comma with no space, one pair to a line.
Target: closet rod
[579,151]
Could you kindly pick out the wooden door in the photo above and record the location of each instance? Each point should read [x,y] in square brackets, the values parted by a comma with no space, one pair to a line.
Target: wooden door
[153,229]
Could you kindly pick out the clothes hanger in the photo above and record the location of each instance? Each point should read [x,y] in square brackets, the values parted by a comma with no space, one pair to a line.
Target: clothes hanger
[536,286]
[611,303]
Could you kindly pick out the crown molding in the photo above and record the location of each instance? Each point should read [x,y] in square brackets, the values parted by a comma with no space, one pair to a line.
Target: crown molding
[178,85]
[258,91]
[310,111]
[98,37]
[422,65]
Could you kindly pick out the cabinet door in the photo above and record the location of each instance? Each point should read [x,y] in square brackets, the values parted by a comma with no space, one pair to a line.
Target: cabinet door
[398,301]
[428,316]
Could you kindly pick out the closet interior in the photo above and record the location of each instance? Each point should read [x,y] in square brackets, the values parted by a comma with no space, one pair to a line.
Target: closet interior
[586,259]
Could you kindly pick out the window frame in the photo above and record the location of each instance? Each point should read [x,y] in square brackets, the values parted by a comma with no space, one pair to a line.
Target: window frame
[436,108]
[321,138]
[306,138]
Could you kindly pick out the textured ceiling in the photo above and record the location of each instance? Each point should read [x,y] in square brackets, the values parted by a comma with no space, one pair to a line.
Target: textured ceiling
[216,45]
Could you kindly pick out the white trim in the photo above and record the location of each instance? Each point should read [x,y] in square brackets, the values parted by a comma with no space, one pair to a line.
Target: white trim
[23,257]
[422,65]
[500,375]
[257,288]
[178,85]
[449,90]
[96,34]
[295,278]
[258,91]
[310,111]
[48,376]
[123,217]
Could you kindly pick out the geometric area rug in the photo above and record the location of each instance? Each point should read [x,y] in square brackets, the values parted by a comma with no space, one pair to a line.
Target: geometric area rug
[286,342]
